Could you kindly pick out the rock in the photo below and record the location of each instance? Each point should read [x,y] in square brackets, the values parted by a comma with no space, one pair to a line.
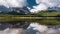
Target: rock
[23,10]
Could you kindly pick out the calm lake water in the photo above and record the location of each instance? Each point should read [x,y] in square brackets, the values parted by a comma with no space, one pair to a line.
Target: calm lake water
[28,28]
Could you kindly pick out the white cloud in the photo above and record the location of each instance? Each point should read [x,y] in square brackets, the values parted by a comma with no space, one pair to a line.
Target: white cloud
[13,3]
[44,4]
[39,8]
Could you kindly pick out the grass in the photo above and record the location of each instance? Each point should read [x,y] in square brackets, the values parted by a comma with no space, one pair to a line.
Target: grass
[33,18]
[41,21]
[54,13]
[39,14]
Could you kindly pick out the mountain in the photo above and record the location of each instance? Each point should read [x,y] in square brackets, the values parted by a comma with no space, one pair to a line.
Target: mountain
[18,10]
[14,10]
[4,9]
[23,10]
[53,8]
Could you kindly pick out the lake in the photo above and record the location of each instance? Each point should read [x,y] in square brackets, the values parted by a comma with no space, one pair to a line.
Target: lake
[31,27]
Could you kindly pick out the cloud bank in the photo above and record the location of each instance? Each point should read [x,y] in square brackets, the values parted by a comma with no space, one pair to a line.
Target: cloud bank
[41,4]
[44,4]
[13,3]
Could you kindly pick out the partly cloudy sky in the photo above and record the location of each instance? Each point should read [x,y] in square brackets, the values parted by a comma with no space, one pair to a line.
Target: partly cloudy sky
[44,4]
[13,3]
[33,5]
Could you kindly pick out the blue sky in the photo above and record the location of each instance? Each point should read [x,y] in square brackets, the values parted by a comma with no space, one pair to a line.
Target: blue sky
[39,5]
[31,3]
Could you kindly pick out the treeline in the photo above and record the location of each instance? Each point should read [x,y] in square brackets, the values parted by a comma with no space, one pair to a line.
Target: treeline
[47,13]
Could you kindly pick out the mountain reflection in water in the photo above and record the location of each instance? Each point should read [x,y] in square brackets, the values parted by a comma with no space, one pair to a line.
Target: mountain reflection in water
[33,28]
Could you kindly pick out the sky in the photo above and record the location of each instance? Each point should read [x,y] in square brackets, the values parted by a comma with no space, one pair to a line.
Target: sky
[13,3]
[45,4]
[32,5]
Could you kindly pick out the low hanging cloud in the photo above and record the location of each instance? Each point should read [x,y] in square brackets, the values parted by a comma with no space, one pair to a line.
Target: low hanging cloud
[13,3]
[44,4]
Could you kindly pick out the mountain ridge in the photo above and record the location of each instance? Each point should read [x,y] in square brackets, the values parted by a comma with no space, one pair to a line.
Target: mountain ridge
[14,10]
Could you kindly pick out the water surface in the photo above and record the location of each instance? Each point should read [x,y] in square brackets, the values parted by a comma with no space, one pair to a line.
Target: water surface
[26,27]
